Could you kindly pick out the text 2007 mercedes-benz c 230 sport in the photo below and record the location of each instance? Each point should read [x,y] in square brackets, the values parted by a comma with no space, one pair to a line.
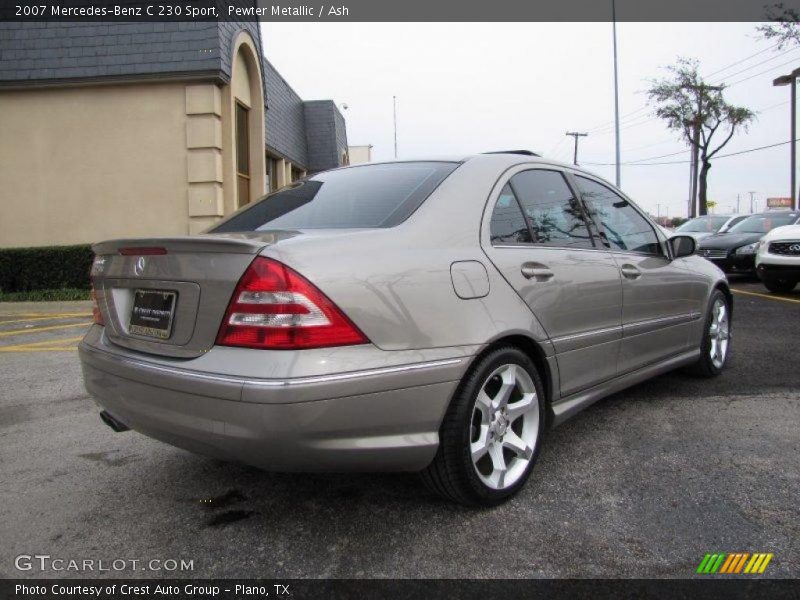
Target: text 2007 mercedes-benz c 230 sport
[433,316]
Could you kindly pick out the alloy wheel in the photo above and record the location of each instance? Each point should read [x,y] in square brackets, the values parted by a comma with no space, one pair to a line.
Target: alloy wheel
[504,427]
[719,332]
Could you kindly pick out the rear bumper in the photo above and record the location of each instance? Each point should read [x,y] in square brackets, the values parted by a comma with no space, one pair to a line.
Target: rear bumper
[377,419]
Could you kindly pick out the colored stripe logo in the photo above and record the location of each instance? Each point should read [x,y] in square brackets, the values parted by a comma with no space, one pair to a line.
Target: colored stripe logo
[734,563]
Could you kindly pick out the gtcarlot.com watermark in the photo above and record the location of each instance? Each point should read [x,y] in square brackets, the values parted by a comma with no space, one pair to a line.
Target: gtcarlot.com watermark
[46,562]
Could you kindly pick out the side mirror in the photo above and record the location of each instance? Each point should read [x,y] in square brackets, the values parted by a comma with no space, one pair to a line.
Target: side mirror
[682,245]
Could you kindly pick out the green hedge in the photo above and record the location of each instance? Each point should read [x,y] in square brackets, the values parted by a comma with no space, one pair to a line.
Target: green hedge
[45,268]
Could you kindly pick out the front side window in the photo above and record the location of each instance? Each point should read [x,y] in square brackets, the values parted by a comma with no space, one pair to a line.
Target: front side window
[508,226]
[624,228]
[380,195]
[554,214]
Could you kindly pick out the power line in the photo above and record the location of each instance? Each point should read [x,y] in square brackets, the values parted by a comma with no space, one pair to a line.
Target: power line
[761,73]
[639,160]
[725,68]
[738,62]
[604,130]
[763,62]
[683,162]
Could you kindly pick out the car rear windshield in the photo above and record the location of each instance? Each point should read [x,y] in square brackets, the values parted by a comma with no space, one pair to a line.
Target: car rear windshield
[369,196]
[763,223]
[703,225]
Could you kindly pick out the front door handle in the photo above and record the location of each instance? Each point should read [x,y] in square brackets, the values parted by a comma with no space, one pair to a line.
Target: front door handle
[630,272]
[536,271]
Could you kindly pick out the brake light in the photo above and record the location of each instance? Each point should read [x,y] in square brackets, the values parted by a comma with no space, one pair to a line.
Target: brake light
[97,267]
[142,251]
[274,307]
[97,316]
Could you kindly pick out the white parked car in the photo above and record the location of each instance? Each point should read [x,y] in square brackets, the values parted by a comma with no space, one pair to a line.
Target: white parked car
[778,258]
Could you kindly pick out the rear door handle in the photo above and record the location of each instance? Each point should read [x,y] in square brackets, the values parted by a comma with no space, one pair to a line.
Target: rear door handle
[536,271]
[630,271]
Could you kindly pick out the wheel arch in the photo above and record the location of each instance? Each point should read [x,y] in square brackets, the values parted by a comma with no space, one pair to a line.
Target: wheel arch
[723,287]
[536,353]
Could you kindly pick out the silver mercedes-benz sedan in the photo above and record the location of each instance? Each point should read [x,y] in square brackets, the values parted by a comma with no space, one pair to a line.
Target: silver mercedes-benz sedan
[432,316]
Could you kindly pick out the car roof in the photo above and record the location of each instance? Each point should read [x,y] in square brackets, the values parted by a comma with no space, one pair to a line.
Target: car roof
[508,158]
[772,213]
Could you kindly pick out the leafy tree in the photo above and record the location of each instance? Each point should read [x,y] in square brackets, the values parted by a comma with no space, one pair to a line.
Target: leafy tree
[699,112]
[785,26]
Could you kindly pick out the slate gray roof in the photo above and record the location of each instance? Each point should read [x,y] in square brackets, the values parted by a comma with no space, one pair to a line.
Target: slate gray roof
[286,123]
[325,134]
[52,52]
[311,134]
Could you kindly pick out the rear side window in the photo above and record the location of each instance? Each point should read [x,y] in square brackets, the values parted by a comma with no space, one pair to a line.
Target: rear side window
[371,196]
[554,214]
[508,226]
[623,226]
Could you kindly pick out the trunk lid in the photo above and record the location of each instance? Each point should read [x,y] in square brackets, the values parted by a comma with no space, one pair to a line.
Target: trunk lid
[197,274]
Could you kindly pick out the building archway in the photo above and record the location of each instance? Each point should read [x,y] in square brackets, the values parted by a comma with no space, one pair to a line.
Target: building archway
[244,168]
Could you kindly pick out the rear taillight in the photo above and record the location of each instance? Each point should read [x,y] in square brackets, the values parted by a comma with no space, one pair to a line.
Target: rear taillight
[97,267]
[274,307]
[97,316]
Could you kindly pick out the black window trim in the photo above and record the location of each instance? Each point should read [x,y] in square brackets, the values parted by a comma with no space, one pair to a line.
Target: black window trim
[572,188]
[665,252]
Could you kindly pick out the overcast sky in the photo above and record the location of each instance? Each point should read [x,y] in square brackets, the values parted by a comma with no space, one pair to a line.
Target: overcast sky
[464,88]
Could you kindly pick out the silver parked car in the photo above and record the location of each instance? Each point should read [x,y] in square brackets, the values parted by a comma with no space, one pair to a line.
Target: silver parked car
[702,227]
[431,316]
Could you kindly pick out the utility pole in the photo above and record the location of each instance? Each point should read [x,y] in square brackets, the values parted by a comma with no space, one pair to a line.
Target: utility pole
[738,198]
[752,195]
[576,135]
[616,95]
[394,104]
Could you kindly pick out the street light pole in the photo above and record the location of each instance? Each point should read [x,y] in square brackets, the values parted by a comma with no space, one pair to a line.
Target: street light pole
[752,195]
[791,80]
[616,93]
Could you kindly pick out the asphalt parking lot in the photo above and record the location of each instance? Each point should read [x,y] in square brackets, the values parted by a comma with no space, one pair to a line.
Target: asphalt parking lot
[642,484]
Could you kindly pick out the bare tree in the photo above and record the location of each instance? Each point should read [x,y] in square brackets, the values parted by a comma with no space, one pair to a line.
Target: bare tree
[785,26]
[699,112]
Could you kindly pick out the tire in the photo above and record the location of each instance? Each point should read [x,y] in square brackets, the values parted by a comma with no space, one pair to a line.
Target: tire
[502,433]
[708,365]
[779,286]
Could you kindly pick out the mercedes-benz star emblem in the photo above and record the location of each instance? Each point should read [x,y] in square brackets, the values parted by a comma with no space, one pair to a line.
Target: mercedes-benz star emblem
[138,268]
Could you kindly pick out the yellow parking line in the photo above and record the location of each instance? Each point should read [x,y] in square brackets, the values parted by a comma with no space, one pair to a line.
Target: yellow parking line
[46,314]
[48,349]
[767,296]
[50,342]
[38,329]
[53,317]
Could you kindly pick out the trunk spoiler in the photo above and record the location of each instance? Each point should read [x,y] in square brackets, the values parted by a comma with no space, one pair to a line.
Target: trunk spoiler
[186,244]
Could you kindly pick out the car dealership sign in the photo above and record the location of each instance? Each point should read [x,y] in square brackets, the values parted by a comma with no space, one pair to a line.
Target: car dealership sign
[779,203]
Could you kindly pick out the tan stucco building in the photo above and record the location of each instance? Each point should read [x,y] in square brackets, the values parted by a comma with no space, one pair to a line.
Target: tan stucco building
[360,155]
[146,129]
